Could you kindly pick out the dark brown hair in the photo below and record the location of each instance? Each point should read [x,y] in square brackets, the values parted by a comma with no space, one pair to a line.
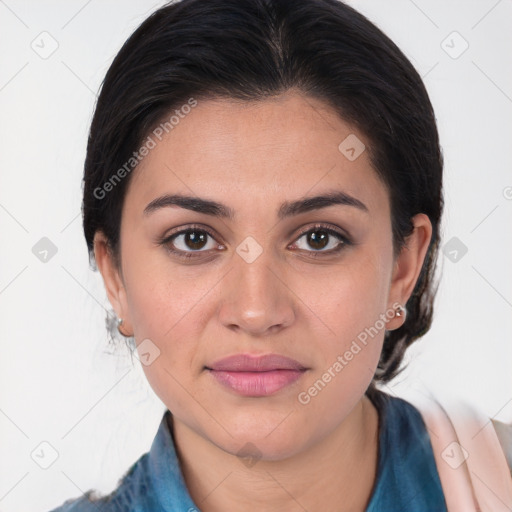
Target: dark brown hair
[254,49]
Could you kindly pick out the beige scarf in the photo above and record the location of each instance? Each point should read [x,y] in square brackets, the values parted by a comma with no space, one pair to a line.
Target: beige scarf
[473,455]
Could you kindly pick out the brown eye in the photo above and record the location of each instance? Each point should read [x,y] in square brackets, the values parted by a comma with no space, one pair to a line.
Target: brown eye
[186,242]
[195,239]
[321,240]
[317,239]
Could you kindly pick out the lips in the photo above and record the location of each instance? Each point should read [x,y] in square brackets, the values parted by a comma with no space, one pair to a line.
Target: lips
[248,363]
[256,376]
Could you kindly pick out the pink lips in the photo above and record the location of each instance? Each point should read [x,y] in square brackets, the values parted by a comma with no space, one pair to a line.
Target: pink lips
[256,375]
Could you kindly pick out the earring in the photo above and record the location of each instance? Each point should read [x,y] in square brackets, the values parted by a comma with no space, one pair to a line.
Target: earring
[119,323]
[400,311]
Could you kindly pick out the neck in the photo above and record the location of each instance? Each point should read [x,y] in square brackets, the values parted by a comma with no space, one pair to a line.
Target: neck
[337,473]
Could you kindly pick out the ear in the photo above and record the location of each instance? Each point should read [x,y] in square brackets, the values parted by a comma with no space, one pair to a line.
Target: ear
[408,265]
[112,278]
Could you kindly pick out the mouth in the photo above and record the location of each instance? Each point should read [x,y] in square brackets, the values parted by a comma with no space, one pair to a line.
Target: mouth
[256,376]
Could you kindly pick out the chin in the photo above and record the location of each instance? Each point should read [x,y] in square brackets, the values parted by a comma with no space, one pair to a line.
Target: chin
[281,447]
[268,435]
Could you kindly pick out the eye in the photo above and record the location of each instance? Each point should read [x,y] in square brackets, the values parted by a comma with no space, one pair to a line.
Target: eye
[323,240]
[188,241]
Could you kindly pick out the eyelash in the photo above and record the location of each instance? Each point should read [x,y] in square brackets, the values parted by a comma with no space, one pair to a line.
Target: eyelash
[344,241]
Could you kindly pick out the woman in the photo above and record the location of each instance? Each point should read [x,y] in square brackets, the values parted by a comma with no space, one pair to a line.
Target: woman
[262,196]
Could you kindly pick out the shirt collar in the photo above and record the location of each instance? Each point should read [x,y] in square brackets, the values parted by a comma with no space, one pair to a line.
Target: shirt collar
[165,474]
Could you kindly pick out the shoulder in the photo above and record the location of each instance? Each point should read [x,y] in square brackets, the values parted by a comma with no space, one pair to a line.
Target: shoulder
[153,482]
[130,494]
[470,448]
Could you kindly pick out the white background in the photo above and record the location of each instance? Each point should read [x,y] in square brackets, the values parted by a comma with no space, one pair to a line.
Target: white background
[60,381]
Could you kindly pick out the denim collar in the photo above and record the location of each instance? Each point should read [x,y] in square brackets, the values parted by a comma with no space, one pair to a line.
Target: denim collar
[165,471]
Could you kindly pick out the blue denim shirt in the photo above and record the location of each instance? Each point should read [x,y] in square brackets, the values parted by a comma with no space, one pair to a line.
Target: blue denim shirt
[407,478]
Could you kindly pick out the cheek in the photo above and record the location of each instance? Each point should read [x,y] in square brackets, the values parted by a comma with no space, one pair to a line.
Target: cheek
[352,303]
[164,299]
[349,298]
[168,308]
[352,309]
[165,320]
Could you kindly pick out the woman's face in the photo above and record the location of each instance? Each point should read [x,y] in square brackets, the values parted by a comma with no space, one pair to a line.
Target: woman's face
[268,272]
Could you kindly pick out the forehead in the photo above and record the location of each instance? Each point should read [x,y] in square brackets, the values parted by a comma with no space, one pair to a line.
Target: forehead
[287,146]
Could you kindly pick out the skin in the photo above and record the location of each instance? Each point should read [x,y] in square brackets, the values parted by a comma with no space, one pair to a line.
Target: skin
[252,157]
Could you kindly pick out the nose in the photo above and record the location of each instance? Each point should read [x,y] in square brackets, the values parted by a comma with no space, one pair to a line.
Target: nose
[256,298]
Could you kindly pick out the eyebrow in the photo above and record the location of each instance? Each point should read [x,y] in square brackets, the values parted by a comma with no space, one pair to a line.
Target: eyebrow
[287,209]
